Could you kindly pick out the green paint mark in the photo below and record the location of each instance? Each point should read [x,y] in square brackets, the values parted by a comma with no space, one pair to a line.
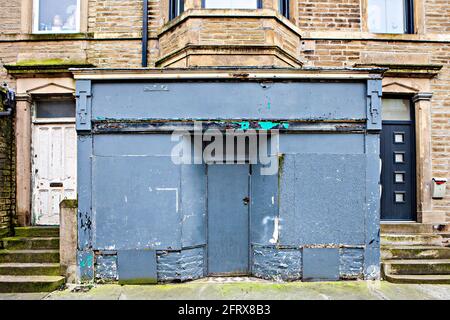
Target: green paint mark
[87,262]
[268,105]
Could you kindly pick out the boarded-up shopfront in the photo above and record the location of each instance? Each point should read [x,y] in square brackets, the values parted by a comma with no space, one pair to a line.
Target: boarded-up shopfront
[148,213]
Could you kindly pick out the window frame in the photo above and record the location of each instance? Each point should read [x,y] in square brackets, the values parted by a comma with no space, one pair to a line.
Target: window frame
[284,7]
[176,7]
[53,98]
[409,16]
[35,23]
[259,5]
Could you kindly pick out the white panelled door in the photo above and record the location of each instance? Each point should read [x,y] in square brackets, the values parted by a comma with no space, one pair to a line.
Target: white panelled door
[54,169]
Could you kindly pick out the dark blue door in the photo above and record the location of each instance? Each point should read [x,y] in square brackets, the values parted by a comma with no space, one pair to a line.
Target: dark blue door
[228,219]
[398,162]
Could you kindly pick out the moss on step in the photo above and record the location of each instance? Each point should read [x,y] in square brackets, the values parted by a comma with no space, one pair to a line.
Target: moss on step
[10,284]
[29,256]
[418,279]
[30,269]
[20,243]
[32,232]
[415,252]
[69,203]
[418,267]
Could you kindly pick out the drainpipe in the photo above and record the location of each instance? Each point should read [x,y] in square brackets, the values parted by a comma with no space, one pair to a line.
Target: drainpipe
[10,101]
[144,33]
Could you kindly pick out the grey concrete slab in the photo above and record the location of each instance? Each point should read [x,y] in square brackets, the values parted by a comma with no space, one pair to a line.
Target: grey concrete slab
[257,289]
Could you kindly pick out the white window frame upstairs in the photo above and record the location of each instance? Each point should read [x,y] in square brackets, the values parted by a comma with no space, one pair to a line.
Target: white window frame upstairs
[36,30]
[258,5]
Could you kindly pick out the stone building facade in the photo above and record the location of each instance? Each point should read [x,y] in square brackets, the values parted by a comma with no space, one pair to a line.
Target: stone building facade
[36,55]
[7,163]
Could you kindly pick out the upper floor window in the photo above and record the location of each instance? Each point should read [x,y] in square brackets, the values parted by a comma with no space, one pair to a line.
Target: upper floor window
[390,16]
[232,4]
[284,8]
[56,16]
[176,7]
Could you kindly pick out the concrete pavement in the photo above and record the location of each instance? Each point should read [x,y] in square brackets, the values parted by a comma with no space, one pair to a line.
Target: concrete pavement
[248,289]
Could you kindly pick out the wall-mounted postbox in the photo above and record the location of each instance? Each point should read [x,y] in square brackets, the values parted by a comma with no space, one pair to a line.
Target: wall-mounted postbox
[438,188]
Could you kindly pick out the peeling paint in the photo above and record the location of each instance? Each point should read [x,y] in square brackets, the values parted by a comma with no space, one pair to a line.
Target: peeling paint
[275,231]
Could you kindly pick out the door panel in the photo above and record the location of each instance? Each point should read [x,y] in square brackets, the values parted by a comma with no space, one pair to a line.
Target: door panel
[228,234]
[54,170]
[398,172]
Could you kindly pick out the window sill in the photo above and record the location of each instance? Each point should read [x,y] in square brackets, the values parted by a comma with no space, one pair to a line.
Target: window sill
[357,35]
[59,36]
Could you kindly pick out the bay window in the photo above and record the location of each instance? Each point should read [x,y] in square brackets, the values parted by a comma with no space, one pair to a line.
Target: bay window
[232,4]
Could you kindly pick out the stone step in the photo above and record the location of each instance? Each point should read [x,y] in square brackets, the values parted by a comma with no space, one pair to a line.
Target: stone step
[16,243]
[33,232]
[428,279]
[430,239]
[417,267]
[414,252]
[30,269]
[411,228]
[29,256]
[10,284]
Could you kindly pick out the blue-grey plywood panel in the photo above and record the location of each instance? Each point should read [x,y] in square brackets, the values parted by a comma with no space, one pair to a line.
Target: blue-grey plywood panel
[373,196]
[136,266]
[320,264]
[228,238]
[133,145]
[84,190]
[193,205]
[322,143]
[230,100]
[323,199]
[136,203]
[264,207]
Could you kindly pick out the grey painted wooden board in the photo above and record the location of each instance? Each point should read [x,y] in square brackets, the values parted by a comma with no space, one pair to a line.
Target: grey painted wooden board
[230,100]
[136,203]
[264,207]
[322,199]
[228,220]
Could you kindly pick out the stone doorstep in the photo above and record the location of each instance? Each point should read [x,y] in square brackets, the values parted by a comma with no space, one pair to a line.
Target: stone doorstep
[417,267]
[418,279]
[16,243]
[438,239]
[27,256]
[414,228]
[34,232]
[414,252]
[10,284]
[29,269]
